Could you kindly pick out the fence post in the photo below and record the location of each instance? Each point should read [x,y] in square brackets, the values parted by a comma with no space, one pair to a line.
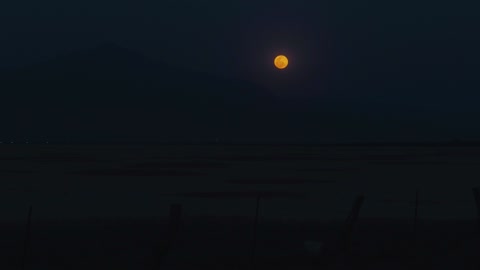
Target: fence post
[350,223]
[254,240]
[174,223]
[26,247]
[415,219]
[476,195]
[164,247]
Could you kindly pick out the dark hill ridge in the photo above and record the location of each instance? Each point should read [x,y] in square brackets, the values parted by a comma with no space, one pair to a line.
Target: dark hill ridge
[113,91]
[110,92]
[110,62]
[105,62]
[116,71]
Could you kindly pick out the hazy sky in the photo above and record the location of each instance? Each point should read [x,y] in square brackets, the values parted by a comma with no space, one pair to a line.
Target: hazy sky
[241,35]
[421,55]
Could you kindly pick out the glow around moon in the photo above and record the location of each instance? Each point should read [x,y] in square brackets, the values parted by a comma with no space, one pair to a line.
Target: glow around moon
[280,62]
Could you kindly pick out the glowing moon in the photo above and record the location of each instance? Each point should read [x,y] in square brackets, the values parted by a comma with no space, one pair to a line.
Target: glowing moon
[280,62]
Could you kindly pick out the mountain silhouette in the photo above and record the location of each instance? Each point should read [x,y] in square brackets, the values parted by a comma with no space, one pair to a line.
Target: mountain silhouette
[113,91]
[105,62]
[110,62]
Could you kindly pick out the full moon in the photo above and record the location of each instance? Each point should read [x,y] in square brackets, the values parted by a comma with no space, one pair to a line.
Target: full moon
[281,62]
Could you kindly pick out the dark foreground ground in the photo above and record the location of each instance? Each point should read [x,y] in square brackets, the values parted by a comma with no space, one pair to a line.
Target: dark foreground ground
[225,243]
[105,207]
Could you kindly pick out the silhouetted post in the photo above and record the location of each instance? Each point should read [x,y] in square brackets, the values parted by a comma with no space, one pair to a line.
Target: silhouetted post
[476,194]
[350,222]
[254,240]
[163,248]
[26,247]
[415,219]
[174,223]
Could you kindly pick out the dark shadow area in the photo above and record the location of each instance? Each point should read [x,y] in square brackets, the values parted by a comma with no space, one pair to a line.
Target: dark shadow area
[279,181]
[346,169]
[216,243]
[46,158]
[413,162]
[180,165]
[243,194]
[283,158]
[138,172]
[16,171]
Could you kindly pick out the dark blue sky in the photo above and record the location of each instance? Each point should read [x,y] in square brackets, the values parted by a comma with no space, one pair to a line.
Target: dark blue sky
[410,62]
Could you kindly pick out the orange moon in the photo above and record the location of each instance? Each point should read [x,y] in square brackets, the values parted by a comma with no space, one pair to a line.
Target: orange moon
[280,62]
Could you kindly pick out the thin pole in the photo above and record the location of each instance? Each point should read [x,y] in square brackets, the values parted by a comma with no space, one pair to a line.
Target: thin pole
[415,223]
[476,195]
[415,217]
[26,247]
[350,222]
[174,223]
[254,241]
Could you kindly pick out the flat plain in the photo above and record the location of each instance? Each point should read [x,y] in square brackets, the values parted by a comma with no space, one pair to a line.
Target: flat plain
[106,205]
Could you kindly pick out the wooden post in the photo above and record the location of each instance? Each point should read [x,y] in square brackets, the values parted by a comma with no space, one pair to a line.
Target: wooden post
[174,223]
[254,240]
[26,247]
[164,247]
[476,195]
[350,222]
[415,219]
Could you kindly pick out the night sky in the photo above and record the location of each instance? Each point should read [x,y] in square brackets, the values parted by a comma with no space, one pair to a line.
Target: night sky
[359,70]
